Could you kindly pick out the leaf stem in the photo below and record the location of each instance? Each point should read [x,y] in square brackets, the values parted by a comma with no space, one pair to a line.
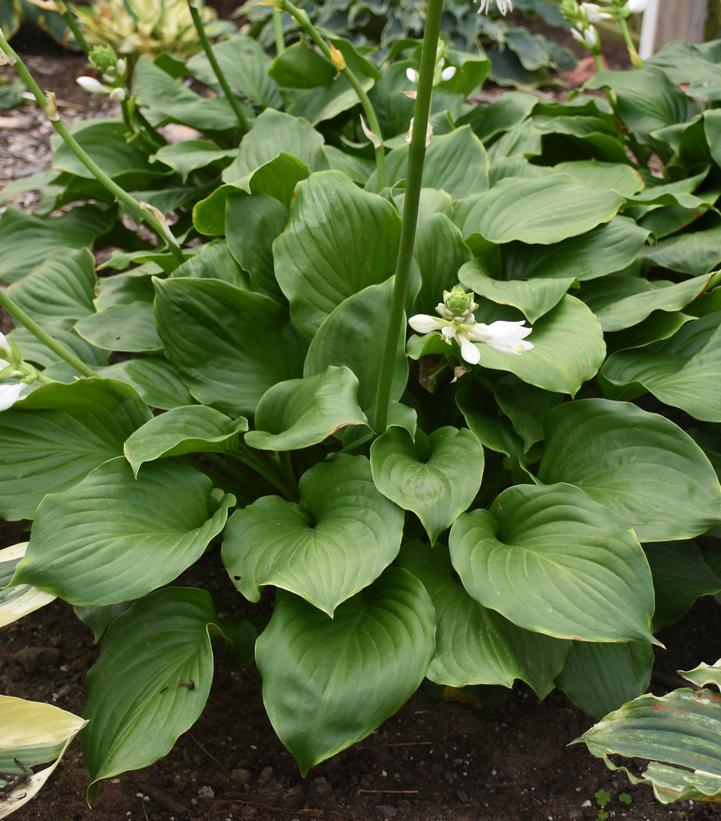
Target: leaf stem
[72,23]
[301,17]
[17,313]
[233,101]
[414,177]
[278,31]
[633,55]
[49,106]
[267,471]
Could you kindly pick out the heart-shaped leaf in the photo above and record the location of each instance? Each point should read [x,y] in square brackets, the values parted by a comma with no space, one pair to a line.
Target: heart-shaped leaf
[302,412]
[646,472]
[111,538]
[548,559]
[58,434]
[336,541]
[191,429]
[436,477]
[351,672]
[475,645]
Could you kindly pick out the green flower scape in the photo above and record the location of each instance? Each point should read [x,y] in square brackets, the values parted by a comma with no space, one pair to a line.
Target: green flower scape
[440,380]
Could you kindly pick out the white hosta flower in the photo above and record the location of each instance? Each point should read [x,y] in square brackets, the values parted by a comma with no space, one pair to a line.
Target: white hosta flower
[588,38]
[10,392]
[4,343]
[412,75]
[118,95]
[503,6]
[448,73]
[595,13]
[93,86]
[456,322]
[429,132]
[637,6]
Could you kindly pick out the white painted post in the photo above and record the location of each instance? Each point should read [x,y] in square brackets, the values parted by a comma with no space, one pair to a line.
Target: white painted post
[666,20]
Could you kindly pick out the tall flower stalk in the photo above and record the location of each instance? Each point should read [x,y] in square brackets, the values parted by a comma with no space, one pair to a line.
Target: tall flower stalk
[414,182]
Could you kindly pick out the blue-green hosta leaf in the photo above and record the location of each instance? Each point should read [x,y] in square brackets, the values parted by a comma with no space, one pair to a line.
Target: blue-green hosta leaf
[605,250]
[111,537]
[436,477]
[191,429]
[679,734]
[351,672]
[691,252]
[245,66]
[603,176]
[333,543]
[192,155]
[647,472]
[150,683]
[554,208]
[533,297]
[154,378]
[59,290]
[229,345]
[526,407]
[548,559]
[439,252]
[681,575]
[31,734]
[28,241]
[126,328]
[58,434]
[475,645]
[213,260]
[568,350]
[19,600]
[599,678]
[339,240]
[353,334]
[622,302]
[299,413]
[455,162]
[683,371]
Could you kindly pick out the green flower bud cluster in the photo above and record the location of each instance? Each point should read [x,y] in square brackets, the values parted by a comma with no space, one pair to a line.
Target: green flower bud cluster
[458,305]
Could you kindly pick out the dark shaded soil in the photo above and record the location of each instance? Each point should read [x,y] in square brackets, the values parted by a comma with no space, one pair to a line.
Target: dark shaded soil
[440,761]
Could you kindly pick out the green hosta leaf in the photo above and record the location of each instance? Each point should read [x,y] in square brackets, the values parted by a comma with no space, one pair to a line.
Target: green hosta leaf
[88,542]
[599,678]
[31,734]
[455,162]
[150,683]
[533,297]
[252,222]
[192,429]
[351,672]
[29,241]
[274,133]
[488,121]
[59,290]
[548,559]
[659,326]
[58,434]
[245,66]
[621,302]
[353,334]
[483,421]
[155,379]
[568,350]
[213,260]
[646,471]
[337,540]
[603,176]
[167,101]
[192,155]
[680,576]
[605,250]
[33,350]
[440,252]
[229,345]
[704,674]
[436,477]
[555,208]
[127,328]
[339,240]
[646,100]
[684,371]
[692,252]
[526,407]
[475,645]
[679,734]
[19,600]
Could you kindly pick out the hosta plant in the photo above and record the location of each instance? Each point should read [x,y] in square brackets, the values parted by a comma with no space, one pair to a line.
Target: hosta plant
[438,381]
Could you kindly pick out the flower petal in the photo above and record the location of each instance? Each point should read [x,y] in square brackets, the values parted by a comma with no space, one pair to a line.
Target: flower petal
[10,393]
[425,324]
[468,350]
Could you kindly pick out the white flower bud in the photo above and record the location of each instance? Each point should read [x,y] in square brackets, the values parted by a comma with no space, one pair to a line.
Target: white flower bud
[448,73]
[412,75]
[118,94]
[637,6]
[92,86]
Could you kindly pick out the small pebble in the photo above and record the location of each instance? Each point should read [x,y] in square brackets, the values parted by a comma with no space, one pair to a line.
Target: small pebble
[206,792]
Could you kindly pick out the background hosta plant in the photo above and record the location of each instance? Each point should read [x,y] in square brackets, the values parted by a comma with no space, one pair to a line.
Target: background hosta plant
[452,407]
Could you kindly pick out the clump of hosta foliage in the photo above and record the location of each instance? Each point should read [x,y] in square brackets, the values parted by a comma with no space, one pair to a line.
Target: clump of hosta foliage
[518,55]
[527,511]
